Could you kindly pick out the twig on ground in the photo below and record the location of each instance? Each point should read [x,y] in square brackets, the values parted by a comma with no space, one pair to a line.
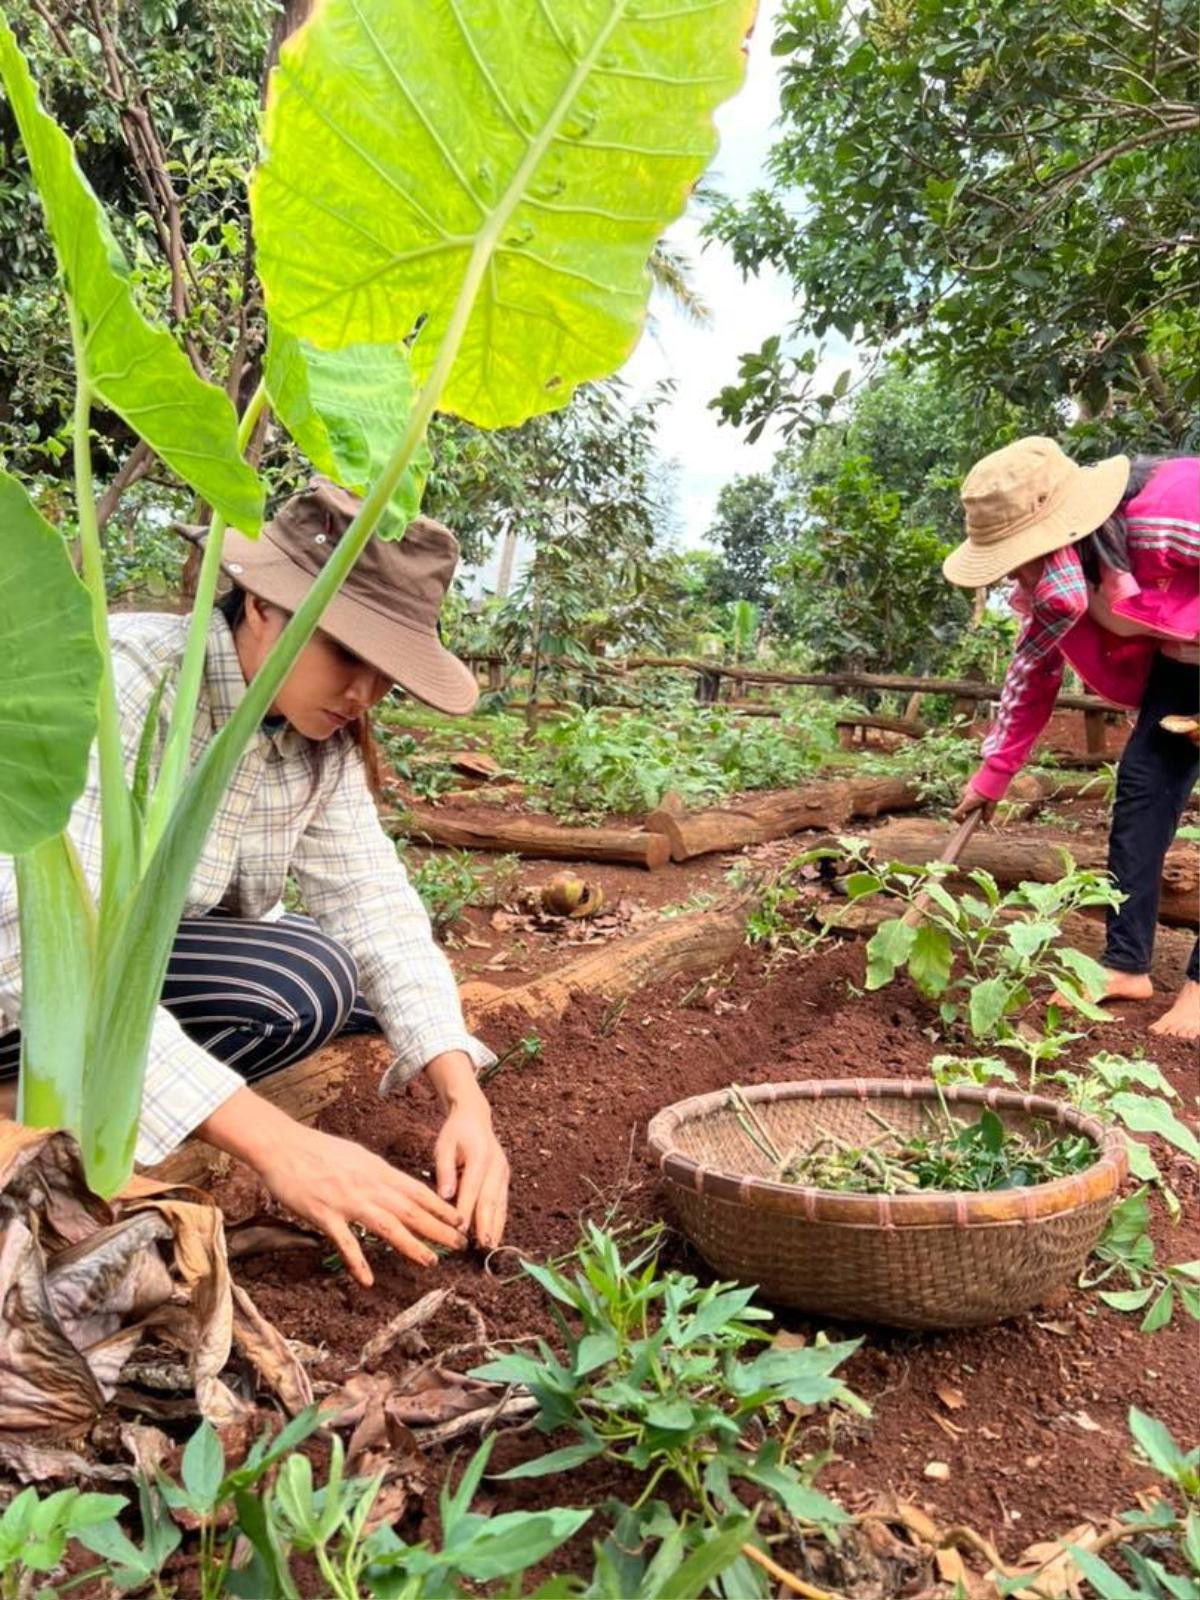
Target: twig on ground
[788,1579]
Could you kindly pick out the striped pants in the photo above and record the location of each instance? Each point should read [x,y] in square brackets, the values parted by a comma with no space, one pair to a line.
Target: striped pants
[256,995]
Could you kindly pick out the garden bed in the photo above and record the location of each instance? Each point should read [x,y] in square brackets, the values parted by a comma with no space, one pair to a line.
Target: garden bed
[1028,1417]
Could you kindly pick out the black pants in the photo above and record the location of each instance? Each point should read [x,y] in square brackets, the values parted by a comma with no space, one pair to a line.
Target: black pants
[1154,779]
[256,995]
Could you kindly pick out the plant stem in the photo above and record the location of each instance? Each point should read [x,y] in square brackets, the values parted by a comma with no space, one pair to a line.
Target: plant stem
[782,1575]
[119,843]
[173,768]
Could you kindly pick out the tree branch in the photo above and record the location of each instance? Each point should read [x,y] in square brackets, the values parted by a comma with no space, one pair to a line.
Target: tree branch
[135,466]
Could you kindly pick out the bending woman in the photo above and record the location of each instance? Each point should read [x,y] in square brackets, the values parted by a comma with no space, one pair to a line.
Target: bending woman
[249,990]
[1105,566]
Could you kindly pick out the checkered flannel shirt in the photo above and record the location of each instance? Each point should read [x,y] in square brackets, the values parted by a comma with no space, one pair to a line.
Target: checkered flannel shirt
[1058,601]
[274,819]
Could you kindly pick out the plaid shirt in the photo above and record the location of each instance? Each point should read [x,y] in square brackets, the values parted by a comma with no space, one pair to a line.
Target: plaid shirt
[279,815]
[1157,601]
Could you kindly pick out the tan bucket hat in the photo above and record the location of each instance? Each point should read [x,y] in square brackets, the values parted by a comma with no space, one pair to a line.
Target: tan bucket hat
[1025,501]
[387,610]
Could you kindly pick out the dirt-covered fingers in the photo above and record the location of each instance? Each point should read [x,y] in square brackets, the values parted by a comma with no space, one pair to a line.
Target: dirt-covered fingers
[491,1206]
[339,1234]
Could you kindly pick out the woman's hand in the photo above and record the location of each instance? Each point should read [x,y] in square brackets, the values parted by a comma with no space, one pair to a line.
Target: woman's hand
[333,1182]
[971,800]
[470,1166]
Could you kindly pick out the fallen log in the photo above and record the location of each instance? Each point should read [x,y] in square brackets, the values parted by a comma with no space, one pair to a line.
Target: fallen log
[827,804]
[697,942]
[526,836]
[1016,858]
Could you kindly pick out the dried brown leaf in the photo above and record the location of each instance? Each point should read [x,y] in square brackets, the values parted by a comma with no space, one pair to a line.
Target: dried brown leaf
[953,1399]
[269,1354]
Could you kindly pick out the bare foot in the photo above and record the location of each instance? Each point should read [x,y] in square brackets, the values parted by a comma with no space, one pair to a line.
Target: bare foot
[1126,985]
[1182,1021]
[1117,986]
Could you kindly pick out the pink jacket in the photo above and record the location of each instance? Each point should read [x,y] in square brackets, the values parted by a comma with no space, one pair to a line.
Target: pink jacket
[1160,597]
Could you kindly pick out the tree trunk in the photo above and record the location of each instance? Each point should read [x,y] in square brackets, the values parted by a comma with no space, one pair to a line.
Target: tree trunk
[827,804]
[698,942]
[1012,859]
[526,836]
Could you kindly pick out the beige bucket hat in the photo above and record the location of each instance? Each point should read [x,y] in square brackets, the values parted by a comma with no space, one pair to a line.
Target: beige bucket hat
[387,610]
[1025,501]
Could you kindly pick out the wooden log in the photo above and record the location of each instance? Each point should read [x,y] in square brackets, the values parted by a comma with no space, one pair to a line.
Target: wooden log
[697,942]
[1014,858]
[1095,733]
[526,836]
[827,804]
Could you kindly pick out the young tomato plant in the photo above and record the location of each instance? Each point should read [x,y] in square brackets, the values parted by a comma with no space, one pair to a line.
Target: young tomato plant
[656,1377]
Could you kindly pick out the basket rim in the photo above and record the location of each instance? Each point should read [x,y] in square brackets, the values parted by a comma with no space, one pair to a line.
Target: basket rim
[930,1208]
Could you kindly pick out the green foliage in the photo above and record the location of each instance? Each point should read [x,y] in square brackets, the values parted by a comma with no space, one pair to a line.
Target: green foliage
[520,156]
[753,524]
[345,409]
[937,765]
[195,73]
[1126,1252]
[49,670]
[945,1153]
[589,765]
[585,490]
[656,1376]
[395,268]
[127,364]
[272,1506]
[1005,196]
[985,957]
[862,586]
[34,1533]
[448,881]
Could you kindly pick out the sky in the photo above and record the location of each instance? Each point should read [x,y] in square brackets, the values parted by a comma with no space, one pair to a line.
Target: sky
[702,360]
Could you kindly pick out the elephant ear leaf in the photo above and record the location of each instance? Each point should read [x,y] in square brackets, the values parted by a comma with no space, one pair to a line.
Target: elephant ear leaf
[129,365]
[346,409]
[49,676]
[487,177]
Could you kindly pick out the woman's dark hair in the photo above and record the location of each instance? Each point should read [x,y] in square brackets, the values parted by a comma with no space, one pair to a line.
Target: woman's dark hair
[1106,545]
[232,607]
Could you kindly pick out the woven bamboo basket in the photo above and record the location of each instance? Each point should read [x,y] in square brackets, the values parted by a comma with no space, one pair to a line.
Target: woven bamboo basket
[928,1260]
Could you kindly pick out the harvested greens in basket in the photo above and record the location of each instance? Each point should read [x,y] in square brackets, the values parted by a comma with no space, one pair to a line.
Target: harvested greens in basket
[945,1155]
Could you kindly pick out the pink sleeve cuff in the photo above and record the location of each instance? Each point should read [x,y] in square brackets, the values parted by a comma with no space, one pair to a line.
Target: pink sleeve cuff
[1119,585]
[991,782]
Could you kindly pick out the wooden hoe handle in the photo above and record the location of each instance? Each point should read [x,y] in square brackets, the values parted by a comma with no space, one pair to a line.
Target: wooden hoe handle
[955,846]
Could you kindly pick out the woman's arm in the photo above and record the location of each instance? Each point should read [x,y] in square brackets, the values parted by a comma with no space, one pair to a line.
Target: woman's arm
[357,890]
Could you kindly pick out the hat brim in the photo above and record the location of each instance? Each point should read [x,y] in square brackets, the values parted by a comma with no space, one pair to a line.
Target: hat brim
[1094,495]
[415,660]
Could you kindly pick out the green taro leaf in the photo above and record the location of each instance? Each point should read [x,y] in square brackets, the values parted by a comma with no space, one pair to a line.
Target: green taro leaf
[346,409]
[131,366]
[526,149]
[49,675]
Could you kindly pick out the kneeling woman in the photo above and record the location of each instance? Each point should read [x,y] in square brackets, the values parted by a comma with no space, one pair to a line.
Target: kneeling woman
[1105,562]
[248,990]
